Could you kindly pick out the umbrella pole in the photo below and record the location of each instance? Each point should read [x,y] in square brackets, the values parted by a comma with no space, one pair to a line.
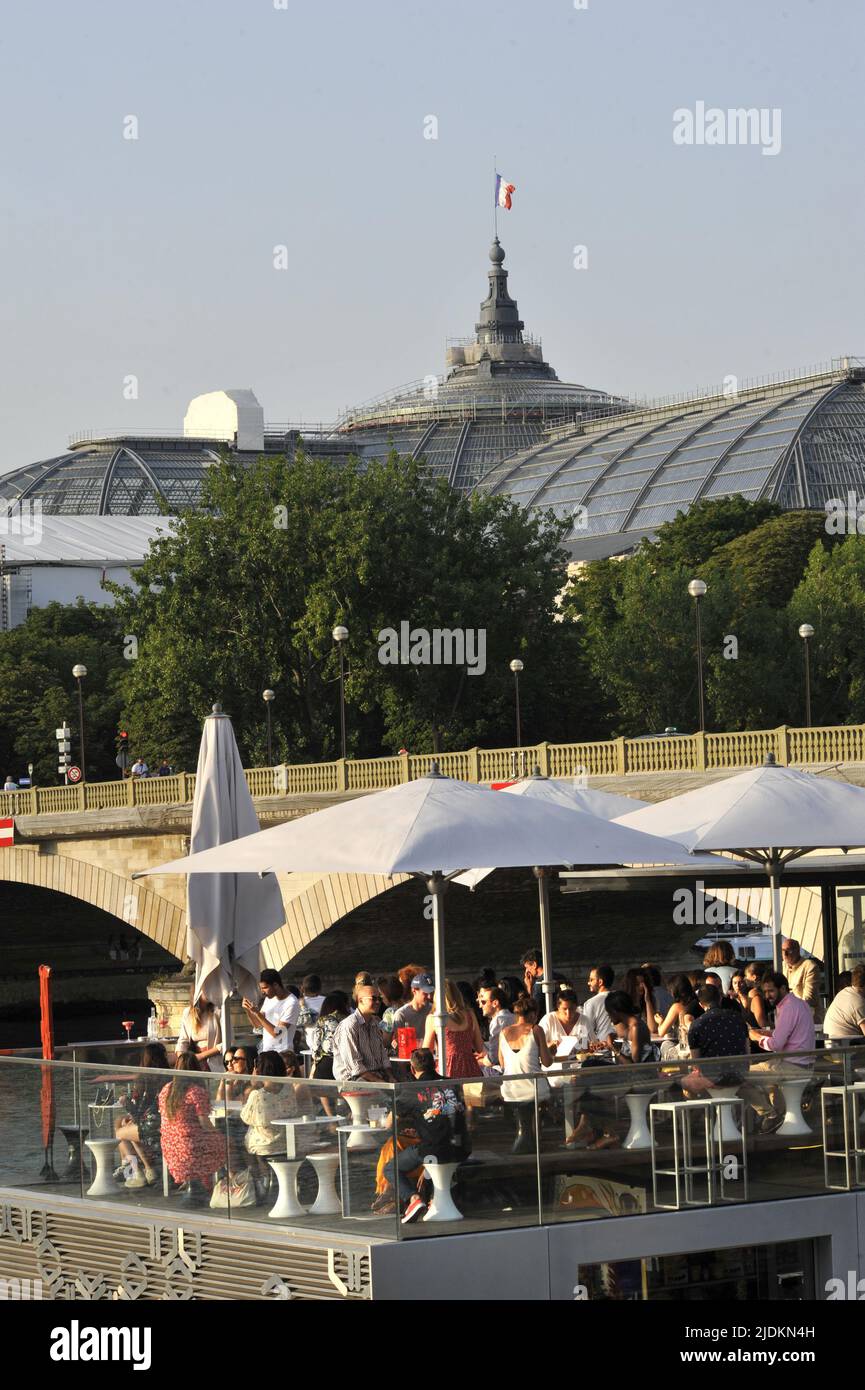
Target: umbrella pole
[777,924]
[436,886]
[547,983]
[227,1035]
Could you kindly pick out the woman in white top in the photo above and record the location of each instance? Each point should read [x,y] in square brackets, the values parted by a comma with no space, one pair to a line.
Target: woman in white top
[721,960]
[199,1025]
[522,1051]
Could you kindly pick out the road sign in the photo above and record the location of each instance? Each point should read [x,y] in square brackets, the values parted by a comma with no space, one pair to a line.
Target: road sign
[73,773]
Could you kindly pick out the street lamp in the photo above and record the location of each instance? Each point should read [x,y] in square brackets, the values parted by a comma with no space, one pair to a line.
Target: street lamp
[79,672]
[268,697]
[340,637]
[516,667]
[697,590]
[806,632]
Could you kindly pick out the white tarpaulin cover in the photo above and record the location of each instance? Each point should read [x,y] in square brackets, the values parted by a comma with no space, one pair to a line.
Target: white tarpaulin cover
[228,915]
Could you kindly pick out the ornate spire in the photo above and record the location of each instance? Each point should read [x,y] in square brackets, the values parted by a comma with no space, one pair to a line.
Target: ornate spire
[500,320]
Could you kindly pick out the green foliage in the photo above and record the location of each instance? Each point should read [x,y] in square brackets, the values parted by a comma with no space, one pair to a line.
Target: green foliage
[37,689]
[831,597]
[244,594]
[639,625]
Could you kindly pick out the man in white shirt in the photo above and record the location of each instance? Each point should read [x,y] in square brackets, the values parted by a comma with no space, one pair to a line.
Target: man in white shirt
[845,1017]
[278,1015]
[139,768]
[493,1004]
[598,1023]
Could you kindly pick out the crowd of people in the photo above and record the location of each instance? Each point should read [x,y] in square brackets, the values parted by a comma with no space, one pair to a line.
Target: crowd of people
[729,1023]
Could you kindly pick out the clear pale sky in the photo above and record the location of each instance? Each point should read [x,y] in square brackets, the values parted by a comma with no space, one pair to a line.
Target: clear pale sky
[304,126]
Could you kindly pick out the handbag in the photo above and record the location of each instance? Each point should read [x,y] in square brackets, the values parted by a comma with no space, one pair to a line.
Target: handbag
[238,1190]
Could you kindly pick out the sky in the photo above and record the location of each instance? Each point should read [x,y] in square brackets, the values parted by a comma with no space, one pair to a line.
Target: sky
[141,272]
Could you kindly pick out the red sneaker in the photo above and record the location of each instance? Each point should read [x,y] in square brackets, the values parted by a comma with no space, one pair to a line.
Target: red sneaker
[416,1205]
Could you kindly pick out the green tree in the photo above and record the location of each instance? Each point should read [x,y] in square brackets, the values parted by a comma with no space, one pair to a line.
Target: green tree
[38,692]
[831,597]
[244,592]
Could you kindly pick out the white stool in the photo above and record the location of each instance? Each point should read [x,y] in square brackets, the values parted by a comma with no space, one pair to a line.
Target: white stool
[442,1207]
[639,1135]
[358,1104]
[327,1199]
[726,1129]
[286,1204]
[795,1125]
[103,1184]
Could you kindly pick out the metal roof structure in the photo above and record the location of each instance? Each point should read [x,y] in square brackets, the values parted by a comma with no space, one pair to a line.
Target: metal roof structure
[799,442]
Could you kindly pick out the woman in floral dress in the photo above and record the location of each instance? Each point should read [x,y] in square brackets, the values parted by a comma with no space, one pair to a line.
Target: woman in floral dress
[192,1148]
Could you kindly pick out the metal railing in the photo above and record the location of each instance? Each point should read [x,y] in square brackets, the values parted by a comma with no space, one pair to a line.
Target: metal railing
[619,757]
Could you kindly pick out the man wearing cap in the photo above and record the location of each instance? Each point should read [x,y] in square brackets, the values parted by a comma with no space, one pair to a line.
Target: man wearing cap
[414,1014]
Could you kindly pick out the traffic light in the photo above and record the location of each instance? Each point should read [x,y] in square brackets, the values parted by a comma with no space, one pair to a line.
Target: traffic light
[64,745]
[122,759]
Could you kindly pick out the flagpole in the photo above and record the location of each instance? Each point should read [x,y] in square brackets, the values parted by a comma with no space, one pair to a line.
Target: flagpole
[495,201]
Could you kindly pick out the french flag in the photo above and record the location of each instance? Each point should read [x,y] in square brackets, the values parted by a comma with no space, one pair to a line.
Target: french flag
[503,192]
[7,832]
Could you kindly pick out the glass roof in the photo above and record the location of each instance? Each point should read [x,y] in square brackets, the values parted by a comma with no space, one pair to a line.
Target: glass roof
[799,443]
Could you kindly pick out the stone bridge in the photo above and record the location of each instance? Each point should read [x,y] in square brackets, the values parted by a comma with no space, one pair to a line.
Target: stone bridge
[91,855]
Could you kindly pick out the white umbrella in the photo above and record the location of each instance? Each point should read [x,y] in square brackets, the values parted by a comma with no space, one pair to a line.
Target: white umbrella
[228,915]
[573,797]
[433,829]
[769,815]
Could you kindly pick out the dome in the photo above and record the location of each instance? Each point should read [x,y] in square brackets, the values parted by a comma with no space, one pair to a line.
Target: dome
[497,396]
[800,443]
[123,476]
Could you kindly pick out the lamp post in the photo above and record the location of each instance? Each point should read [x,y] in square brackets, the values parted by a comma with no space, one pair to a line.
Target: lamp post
[516,667]
[268,697]
[697,590]
[806,632]
[340,637]
[79,672]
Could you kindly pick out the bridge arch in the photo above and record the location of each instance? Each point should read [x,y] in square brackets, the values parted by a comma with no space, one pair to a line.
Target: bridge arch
[134,903]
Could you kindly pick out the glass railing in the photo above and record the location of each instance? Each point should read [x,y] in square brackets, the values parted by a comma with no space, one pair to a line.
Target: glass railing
[604,1139]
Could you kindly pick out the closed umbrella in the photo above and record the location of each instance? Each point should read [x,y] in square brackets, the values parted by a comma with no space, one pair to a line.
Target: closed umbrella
[556,791]
[432,829]
[228,914]
[47,1105]
[769,815]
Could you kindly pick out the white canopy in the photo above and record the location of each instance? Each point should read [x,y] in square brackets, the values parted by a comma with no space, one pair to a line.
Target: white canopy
[431,828]
[769,809]
[431,824]
[771,815]
[228,915]
[556,792]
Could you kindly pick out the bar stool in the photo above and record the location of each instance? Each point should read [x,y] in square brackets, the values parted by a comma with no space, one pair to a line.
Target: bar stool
[726,1129]
[286,1204]
[794,1124]
[103,1184]
[358,1103]
[442,1207]
[327,1199]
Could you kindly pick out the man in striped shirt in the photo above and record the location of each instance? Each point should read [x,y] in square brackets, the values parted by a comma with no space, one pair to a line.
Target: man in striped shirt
[359,1048]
